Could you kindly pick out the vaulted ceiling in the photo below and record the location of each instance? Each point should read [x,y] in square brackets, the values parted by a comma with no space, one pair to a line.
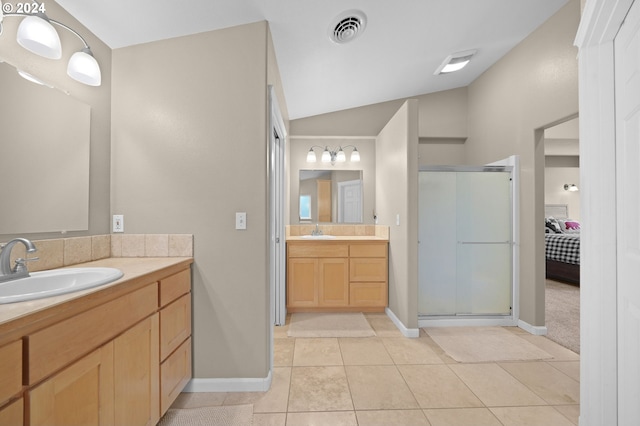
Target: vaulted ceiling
[395,56]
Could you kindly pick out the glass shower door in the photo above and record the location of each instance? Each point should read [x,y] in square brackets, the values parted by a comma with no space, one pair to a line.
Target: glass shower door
[483,258]
[465,253]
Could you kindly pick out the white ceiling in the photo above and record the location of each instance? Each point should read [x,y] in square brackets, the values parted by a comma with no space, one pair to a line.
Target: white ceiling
[395,57]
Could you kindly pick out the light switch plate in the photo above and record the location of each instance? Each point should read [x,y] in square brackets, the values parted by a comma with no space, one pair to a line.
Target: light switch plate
[241,220]
[118,223]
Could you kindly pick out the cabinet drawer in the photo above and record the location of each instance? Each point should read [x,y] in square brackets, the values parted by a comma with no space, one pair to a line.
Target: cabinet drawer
[368,250]
[10,370]
[175,373]
[174,286]
[54,347]
[368,294]
[368,269]
[175,325]
[322,249]
[12,414]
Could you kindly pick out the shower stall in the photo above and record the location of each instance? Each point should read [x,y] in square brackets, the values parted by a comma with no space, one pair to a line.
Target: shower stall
[466,246]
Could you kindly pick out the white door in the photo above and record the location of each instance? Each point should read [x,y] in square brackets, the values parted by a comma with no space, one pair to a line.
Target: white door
[277,255]
[627,74]
[350,201]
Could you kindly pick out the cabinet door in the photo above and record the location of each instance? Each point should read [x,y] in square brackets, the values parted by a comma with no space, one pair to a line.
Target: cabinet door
[82,394]
[137,375]
[302,290]
[333,282]
[10,371]
[12,413]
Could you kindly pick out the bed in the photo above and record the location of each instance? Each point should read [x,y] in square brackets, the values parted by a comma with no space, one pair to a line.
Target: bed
[562,245]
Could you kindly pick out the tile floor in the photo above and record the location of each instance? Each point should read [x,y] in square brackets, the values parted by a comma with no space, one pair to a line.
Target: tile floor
[393,380]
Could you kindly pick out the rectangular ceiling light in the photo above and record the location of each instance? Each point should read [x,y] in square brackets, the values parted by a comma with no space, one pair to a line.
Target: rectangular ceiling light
[455,62]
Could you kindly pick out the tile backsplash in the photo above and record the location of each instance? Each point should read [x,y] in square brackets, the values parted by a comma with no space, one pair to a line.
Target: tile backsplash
[61,252]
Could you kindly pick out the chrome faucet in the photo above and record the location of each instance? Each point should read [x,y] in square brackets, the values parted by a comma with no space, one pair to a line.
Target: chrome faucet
[317,231]
[20,270]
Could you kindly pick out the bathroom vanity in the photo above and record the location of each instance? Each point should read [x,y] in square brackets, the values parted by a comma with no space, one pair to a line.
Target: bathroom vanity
[341,274]
[116,354]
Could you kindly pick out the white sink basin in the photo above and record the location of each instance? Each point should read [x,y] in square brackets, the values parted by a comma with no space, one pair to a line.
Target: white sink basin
[319,237]
[55,282]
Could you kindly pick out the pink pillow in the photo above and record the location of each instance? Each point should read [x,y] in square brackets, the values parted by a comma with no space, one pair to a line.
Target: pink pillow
[572,225]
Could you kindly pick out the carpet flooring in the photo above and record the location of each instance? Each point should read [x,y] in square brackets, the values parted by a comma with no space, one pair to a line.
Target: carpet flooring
[562,312]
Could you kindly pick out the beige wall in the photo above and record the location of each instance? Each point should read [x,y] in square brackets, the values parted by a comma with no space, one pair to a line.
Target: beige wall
[397,199]
[189,150]
[98,98]
[534,86]
[442,117]
[555,177]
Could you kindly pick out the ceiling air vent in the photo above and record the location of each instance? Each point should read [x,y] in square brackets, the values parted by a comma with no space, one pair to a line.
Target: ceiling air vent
[348,26]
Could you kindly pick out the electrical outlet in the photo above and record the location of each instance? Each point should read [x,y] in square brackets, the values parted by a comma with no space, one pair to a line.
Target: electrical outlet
[118,223]
[241,220]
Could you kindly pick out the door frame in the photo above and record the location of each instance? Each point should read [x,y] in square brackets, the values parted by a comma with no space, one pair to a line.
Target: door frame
[601,21]
[277,255]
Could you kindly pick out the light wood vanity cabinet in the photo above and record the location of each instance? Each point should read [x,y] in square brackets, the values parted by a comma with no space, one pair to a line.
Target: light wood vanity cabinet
[337,276]
[121,362]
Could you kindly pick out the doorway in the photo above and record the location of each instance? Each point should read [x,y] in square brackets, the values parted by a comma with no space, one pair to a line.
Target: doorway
[562,232]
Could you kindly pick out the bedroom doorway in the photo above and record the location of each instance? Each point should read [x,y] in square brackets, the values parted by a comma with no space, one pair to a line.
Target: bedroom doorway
[562,233]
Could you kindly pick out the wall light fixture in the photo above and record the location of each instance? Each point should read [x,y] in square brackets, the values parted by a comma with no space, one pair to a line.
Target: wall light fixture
[570,187]
[37,34]
[333,155]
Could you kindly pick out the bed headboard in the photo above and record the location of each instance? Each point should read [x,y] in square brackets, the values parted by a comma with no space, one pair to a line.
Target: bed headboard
[559,211]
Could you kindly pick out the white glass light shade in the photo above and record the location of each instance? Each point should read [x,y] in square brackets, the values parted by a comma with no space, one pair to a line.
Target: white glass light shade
[355,156]
[311,156]
[38,36]
[84,68]
[341,157]
[326,156]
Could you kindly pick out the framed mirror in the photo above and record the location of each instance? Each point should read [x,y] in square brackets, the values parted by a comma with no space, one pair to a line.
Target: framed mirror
[335,196]
[44,161]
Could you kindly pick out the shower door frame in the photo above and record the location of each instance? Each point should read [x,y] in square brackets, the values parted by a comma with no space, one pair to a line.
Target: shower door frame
[511,165]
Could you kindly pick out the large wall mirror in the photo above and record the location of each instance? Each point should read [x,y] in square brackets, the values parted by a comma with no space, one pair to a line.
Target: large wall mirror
[44,159]
[335,196]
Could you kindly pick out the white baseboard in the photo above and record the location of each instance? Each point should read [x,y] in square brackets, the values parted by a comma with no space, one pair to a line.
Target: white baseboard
[229,385]
[467,322]
[406,332]
[536,330]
